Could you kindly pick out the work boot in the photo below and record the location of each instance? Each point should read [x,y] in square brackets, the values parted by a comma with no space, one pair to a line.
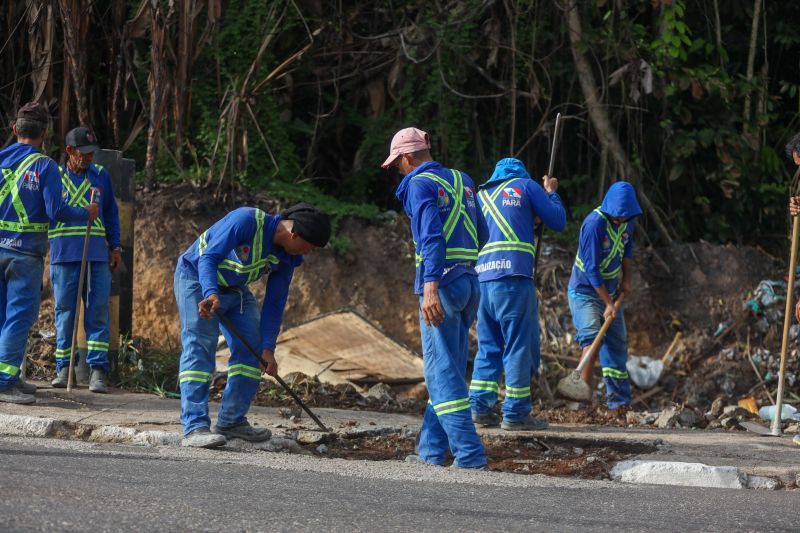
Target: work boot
[62,378]
[245,431]
[203,438]
[416,459]
[14,395]
[529,423]
[97,382]
[489,419]
[25,387]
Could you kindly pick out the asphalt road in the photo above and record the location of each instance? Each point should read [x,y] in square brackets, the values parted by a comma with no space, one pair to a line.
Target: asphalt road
[57,485]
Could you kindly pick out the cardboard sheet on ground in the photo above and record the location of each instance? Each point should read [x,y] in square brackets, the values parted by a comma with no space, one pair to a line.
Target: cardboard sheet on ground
[343,347]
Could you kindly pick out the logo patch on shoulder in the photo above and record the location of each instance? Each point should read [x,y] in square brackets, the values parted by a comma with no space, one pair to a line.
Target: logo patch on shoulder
[243,252]
[442,200]
[606,242]
[512,196]
[30,180]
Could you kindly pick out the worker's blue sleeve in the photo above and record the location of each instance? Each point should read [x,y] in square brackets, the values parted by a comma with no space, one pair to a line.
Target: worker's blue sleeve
[55,203]
[589,250]
[110,211]
[274,303]
[547,206]
[227,234]
[426,226]
[629,245]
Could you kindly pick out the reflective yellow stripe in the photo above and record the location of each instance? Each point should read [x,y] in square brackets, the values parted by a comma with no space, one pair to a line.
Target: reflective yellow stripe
[617,249]
[510,246]
[478,384]
[194,375]
[257,263]
[451,406]
[11,370]
[74,231]
[491,209]
[11,188]
[614,373]
[518,392]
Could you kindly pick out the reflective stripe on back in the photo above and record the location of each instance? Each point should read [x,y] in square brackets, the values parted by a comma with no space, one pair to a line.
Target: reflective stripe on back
[10,187]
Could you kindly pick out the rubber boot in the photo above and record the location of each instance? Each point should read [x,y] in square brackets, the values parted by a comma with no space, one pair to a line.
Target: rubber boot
[97,382]
[60,382]
[14,395]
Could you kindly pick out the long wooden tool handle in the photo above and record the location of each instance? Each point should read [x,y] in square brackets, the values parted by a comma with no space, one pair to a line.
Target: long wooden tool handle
[540,229]
[787,324]
[599,339]
[79,299]
[235,332]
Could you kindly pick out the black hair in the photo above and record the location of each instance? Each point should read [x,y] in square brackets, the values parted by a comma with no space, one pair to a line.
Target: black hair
[29,129]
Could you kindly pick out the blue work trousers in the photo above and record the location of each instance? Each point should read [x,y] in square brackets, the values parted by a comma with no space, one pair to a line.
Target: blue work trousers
[447,422]
[96,293]
[20,294]
[587,315]
[508,338]
[198,358]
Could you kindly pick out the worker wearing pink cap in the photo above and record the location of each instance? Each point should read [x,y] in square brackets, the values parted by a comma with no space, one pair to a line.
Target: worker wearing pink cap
[448,231]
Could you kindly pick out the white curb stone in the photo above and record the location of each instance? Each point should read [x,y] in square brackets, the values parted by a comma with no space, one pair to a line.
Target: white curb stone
[26,426]
[681,474]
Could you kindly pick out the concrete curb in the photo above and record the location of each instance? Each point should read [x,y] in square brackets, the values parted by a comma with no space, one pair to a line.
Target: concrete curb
[689,475]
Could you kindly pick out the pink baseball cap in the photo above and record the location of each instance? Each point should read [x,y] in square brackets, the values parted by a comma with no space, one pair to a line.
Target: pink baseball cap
[407,141]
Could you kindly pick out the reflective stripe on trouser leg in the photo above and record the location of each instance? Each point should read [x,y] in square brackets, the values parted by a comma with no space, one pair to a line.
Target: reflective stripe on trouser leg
[613,358]
[514,300]
[244,373]
[95,320]
[488,362]
[199,341]
[20,291]
[64,278]
[444,365]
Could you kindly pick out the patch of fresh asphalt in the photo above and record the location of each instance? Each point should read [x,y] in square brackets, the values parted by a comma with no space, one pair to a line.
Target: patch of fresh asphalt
[57,485]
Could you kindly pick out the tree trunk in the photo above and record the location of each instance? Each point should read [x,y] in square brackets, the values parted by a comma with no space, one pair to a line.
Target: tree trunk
[157,85]
[751,59]
[75,24]
[599,118]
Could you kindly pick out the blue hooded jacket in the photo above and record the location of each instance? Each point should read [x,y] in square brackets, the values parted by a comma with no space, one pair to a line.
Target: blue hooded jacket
[40,192]
[603,244]
[510,201]
[66,240]
[428,202]
[230,251]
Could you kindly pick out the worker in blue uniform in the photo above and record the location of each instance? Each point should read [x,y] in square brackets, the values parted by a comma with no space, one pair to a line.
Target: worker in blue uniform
[212,276]
[83,182]
[605,249]
[448,232]
[508,314]
[30,197]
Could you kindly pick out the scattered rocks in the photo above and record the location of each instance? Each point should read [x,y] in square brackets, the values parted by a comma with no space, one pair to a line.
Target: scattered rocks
[278,444]
[322,449]
[762,483]
[382,393]
[290,412]
[740,413]
[729,422]
[717,407]
[668,418]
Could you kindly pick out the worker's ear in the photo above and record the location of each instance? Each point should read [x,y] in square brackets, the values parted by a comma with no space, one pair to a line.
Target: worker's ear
[795,157]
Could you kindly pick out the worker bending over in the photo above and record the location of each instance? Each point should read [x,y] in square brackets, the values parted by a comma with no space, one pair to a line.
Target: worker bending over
[212,277]
[508,314]
[447,232]
[605,249]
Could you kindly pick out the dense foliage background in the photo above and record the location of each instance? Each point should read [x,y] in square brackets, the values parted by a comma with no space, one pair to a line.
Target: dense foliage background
[692,100]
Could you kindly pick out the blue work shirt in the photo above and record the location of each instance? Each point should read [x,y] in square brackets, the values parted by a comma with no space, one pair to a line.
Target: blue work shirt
[40,200]
[66,240]
[429,203]
[602,241]
[238,250]
[510,202]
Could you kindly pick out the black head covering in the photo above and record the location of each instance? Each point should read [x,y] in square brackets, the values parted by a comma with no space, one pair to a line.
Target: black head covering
[310,223]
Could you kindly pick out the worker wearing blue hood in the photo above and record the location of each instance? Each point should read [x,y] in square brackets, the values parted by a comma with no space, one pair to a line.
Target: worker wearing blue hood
[30,197]
[508,323]
[604,251]
[448,231]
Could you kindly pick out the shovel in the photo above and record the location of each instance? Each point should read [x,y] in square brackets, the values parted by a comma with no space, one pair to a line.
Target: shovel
[572,386]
